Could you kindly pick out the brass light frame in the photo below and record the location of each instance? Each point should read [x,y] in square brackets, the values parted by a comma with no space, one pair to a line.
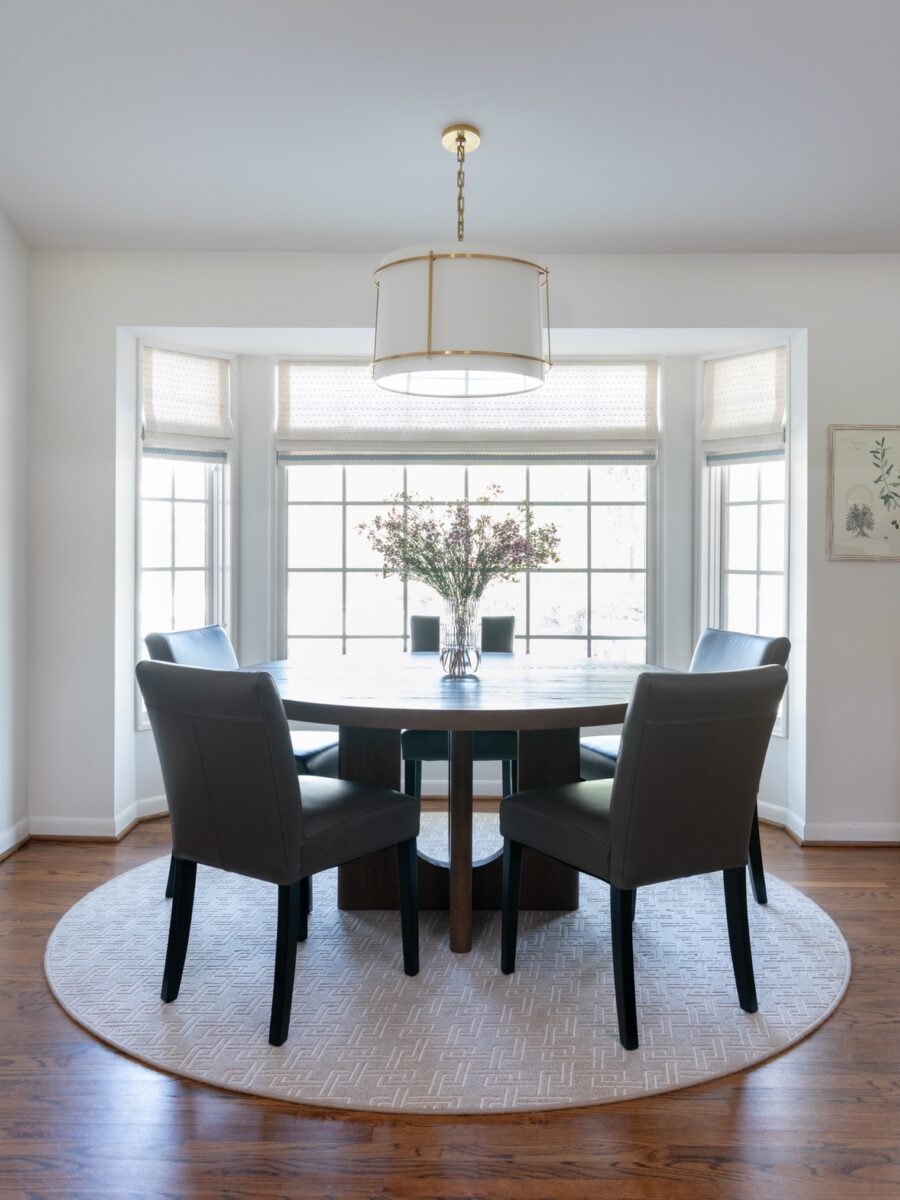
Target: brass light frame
[429,352]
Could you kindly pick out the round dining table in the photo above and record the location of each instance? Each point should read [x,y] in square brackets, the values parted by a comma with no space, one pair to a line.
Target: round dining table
[547,704]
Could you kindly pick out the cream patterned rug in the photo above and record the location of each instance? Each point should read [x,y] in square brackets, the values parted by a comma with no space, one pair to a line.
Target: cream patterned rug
[460,1037]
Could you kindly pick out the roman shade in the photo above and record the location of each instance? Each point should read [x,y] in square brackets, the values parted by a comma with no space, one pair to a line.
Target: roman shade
[334,409]
[744,406]
[186,403]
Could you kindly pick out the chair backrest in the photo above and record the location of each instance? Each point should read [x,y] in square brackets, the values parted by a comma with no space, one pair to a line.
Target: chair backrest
[206,647]
[692,752]
[424,634]
[228,768]
[722,650]
[498,635]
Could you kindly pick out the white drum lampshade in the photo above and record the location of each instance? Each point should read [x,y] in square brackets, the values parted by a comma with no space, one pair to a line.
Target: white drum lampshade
[461,320]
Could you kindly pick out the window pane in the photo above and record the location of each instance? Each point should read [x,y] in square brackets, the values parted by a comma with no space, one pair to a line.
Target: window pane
[315,602]
[156,602]
[619,536]
[558,603]
[618,483]
[619,651]
[771,480]
[506,600]
[304,652]
[740,603]
[359,552]
[190,599]
[771,605]
[436,482]
[156,476]
[742,481]
[741,534]
[618,601]
[571,525]
[771,547]
[374,604]
[156,533]
[422,601]
[559,483]
[190,535]
[314,482]
[190,480]
[510,479]
[373,483]
[366,650]
[554,649]
[315,535]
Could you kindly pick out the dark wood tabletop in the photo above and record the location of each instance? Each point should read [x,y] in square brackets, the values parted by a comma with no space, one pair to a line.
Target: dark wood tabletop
[509,692]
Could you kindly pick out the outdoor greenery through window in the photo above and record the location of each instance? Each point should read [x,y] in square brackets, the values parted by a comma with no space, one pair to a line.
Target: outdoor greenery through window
[593,602]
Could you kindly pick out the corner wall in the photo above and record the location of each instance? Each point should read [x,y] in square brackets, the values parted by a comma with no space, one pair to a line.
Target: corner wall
[13,561]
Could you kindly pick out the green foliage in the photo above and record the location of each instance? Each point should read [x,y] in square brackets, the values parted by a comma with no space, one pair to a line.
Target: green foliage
[887,479]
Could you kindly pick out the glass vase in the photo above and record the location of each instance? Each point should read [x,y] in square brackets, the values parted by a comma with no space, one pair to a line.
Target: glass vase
[461,636]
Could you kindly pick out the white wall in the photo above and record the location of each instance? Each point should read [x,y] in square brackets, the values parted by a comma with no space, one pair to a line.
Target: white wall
[13,562]
[849,304]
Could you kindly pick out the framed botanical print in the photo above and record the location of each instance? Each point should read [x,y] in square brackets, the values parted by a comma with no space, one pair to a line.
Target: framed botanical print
[864,492]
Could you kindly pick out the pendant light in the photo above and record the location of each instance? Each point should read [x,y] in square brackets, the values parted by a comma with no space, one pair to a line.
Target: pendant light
[455,319]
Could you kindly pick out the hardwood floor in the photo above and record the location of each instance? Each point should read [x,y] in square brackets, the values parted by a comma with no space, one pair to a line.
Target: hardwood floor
[80,1120]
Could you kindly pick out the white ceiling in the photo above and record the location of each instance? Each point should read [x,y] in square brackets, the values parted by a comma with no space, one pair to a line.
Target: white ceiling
[608,125]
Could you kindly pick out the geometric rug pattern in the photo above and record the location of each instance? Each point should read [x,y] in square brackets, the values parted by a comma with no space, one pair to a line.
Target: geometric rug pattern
[459,1037]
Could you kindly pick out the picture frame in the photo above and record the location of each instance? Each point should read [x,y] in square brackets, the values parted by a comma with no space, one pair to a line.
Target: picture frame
[863,496]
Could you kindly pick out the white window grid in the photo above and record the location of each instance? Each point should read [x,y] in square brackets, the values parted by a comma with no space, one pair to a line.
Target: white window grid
[214,569]
[526,638]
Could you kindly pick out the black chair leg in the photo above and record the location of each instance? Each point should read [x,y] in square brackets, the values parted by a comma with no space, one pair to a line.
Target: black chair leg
[735,879]
[757,874]
[620,904]
[408,872]
[409,776]
[514,776]
[633,905]
[506,768]
[512,880]
[170,882]
[285,962]
[184,878]
[304,909]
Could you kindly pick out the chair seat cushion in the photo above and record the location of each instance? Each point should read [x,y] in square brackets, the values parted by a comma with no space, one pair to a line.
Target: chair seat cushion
[433,745]
[570,823]
[342,821]
[599,756]
[325,763]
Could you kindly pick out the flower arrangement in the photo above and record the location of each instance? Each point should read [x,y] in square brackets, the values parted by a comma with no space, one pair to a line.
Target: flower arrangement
[459,555]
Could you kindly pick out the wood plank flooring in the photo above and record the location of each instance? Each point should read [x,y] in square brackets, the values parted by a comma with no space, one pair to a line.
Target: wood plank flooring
[79,1120]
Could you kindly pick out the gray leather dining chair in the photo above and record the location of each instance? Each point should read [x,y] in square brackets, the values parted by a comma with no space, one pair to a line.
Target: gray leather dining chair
[433,745]
[237,804]
[681,803]
[716,650]
[315,753]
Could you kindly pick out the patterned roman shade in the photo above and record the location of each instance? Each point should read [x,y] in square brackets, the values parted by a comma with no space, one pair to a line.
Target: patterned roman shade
[186,401]
[598,407]
[744,404]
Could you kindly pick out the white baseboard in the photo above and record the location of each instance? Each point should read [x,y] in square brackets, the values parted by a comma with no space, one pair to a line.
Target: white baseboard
[778,814]
[13,834]
[851,831]
[72,827]
[141,810]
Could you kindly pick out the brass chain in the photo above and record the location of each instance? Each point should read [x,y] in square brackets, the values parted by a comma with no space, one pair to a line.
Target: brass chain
[460,183]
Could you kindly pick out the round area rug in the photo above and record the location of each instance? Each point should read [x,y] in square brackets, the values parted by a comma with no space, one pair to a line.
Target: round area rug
[459,1037]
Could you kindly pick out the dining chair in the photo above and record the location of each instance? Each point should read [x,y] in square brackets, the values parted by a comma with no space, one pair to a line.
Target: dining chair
[433,745]
[680,804]
[210,646]
[716,650]
[237,805]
